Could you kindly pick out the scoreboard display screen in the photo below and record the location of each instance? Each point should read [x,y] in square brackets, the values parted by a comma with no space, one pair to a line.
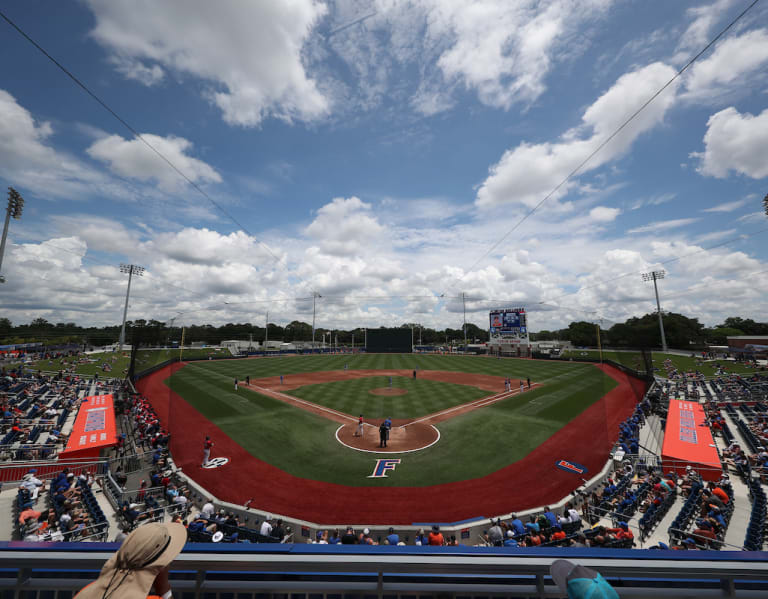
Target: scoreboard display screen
[508,322]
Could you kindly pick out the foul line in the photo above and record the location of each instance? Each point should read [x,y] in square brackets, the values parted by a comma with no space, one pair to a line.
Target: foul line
[478,403]
[292,399]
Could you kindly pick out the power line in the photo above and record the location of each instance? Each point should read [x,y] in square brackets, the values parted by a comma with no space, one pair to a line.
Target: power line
[606,141]
[138,136]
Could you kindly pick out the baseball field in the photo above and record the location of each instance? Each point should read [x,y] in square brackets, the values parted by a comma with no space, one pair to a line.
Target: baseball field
[291,444]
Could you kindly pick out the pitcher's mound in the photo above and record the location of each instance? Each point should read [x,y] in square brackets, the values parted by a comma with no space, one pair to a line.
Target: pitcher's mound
[388,391]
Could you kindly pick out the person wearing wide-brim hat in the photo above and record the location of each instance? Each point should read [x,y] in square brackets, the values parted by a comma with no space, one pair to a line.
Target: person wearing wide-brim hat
[140,564]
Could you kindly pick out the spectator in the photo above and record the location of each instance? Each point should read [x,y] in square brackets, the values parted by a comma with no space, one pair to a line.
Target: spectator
[392,538]
[436,537]
[140,564]
[348,538]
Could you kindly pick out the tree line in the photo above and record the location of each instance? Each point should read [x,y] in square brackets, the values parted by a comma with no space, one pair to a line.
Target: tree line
[681,332]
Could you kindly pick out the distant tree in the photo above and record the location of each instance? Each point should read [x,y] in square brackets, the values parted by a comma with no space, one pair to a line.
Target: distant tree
[719,335]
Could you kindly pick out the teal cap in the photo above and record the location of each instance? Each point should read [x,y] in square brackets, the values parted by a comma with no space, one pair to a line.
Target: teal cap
[580,582]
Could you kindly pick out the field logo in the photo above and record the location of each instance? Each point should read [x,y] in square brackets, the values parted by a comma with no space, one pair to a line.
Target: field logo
[217,463]
[382,465]
[571,467]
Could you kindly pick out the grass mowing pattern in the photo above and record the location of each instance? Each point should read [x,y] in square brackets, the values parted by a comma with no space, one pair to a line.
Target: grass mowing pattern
[423,397]
[472,445]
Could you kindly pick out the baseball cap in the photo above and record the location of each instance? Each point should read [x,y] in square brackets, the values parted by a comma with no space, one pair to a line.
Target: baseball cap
[130,572]
[580,582]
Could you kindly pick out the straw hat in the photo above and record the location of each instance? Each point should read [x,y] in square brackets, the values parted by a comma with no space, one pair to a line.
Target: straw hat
[130,572]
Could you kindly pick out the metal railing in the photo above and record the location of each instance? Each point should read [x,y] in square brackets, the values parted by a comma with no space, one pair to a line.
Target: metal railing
[216,570]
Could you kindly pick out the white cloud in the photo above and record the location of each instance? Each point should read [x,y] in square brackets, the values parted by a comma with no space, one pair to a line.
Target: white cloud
[29,160]
[526,174]
[734,62]
[344,227]
[704,18]
[250,52]
[656,200]
[137,70]
[735,141]
[604,214]
[728,206]
[132,158]
[502,51]
[663,225]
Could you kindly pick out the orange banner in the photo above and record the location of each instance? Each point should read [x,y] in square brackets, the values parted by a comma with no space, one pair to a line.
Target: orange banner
[688,441]
[94,428]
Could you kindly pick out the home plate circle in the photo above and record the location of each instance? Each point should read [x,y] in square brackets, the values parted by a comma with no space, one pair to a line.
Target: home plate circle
[217,463]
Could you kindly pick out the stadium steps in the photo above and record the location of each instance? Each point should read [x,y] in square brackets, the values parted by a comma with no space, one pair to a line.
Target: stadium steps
[647,437]
[109,512]
[742,509]
[7,497]
[660,533]
[736,431]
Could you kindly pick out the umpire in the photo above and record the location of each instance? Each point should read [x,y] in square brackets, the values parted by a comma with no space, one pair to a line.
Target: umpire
[383,430]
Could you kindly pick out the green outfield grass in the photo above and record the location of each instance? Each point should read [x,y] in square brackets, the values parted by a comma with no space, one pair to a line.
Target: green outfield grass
[682,363]
[423,396]
[472,445]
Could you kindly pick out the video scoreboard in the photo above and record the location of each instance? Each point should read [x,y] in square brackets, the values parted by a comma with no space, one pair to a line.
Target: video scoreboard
[509,322]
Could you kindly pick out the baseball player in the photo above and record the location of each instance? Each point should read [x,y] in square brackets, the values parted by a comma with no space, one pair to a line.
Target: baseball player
[359,432]
[207,451]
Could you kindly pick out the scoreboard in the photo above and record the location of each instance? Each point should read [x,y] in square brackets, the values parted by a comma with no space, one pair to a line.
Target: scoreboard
[509,322]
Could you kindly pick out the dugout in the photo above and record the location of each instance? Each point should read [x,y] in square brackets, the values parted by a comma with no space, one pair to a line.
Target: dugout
[389,341]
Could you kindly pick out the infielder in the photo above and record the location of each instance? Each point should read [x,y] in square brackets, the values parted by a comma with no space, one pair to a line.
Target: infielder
[359,432]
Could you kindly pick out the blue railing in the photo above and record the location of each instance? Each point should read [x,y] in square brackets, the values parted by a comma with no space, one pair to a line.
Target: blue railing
[227,570]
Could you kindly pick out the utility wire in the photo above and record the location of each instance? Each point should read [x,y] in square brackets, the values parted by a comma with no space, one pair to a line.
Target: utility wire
[605,142]
[138,136]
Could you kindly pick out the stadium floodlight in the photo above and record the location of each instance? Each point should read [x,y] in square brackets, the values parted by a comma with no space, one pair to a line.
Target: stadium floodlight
[14,209]
[654,276]
[130,270]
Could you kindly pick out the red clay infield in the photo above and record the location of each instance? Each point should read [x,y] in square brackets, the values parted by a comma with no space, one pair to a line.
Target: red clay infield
[527,483]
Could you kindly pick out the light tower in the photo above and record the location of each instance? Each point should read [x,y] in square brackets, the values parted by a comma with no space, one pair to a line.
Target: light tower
[654,276]
[131,269]
[15,207]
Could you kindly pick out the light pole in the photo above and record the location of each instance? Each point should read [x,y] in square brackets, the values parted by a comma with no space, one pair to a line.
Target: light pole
[654,276]
[464,301]
[14,209]
[315,295]
[131,269]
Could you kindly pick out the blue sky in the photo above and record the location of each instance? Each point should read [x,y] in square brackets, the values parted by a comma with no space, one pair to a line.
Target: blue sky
[379,150]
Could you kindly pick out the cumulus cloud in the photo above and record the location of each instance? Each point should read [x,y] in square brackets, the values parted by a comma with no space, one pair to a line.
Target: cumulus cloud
[733,62]
[250,53]
[737,142]
[344,227]
[132,158]
[528,172]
